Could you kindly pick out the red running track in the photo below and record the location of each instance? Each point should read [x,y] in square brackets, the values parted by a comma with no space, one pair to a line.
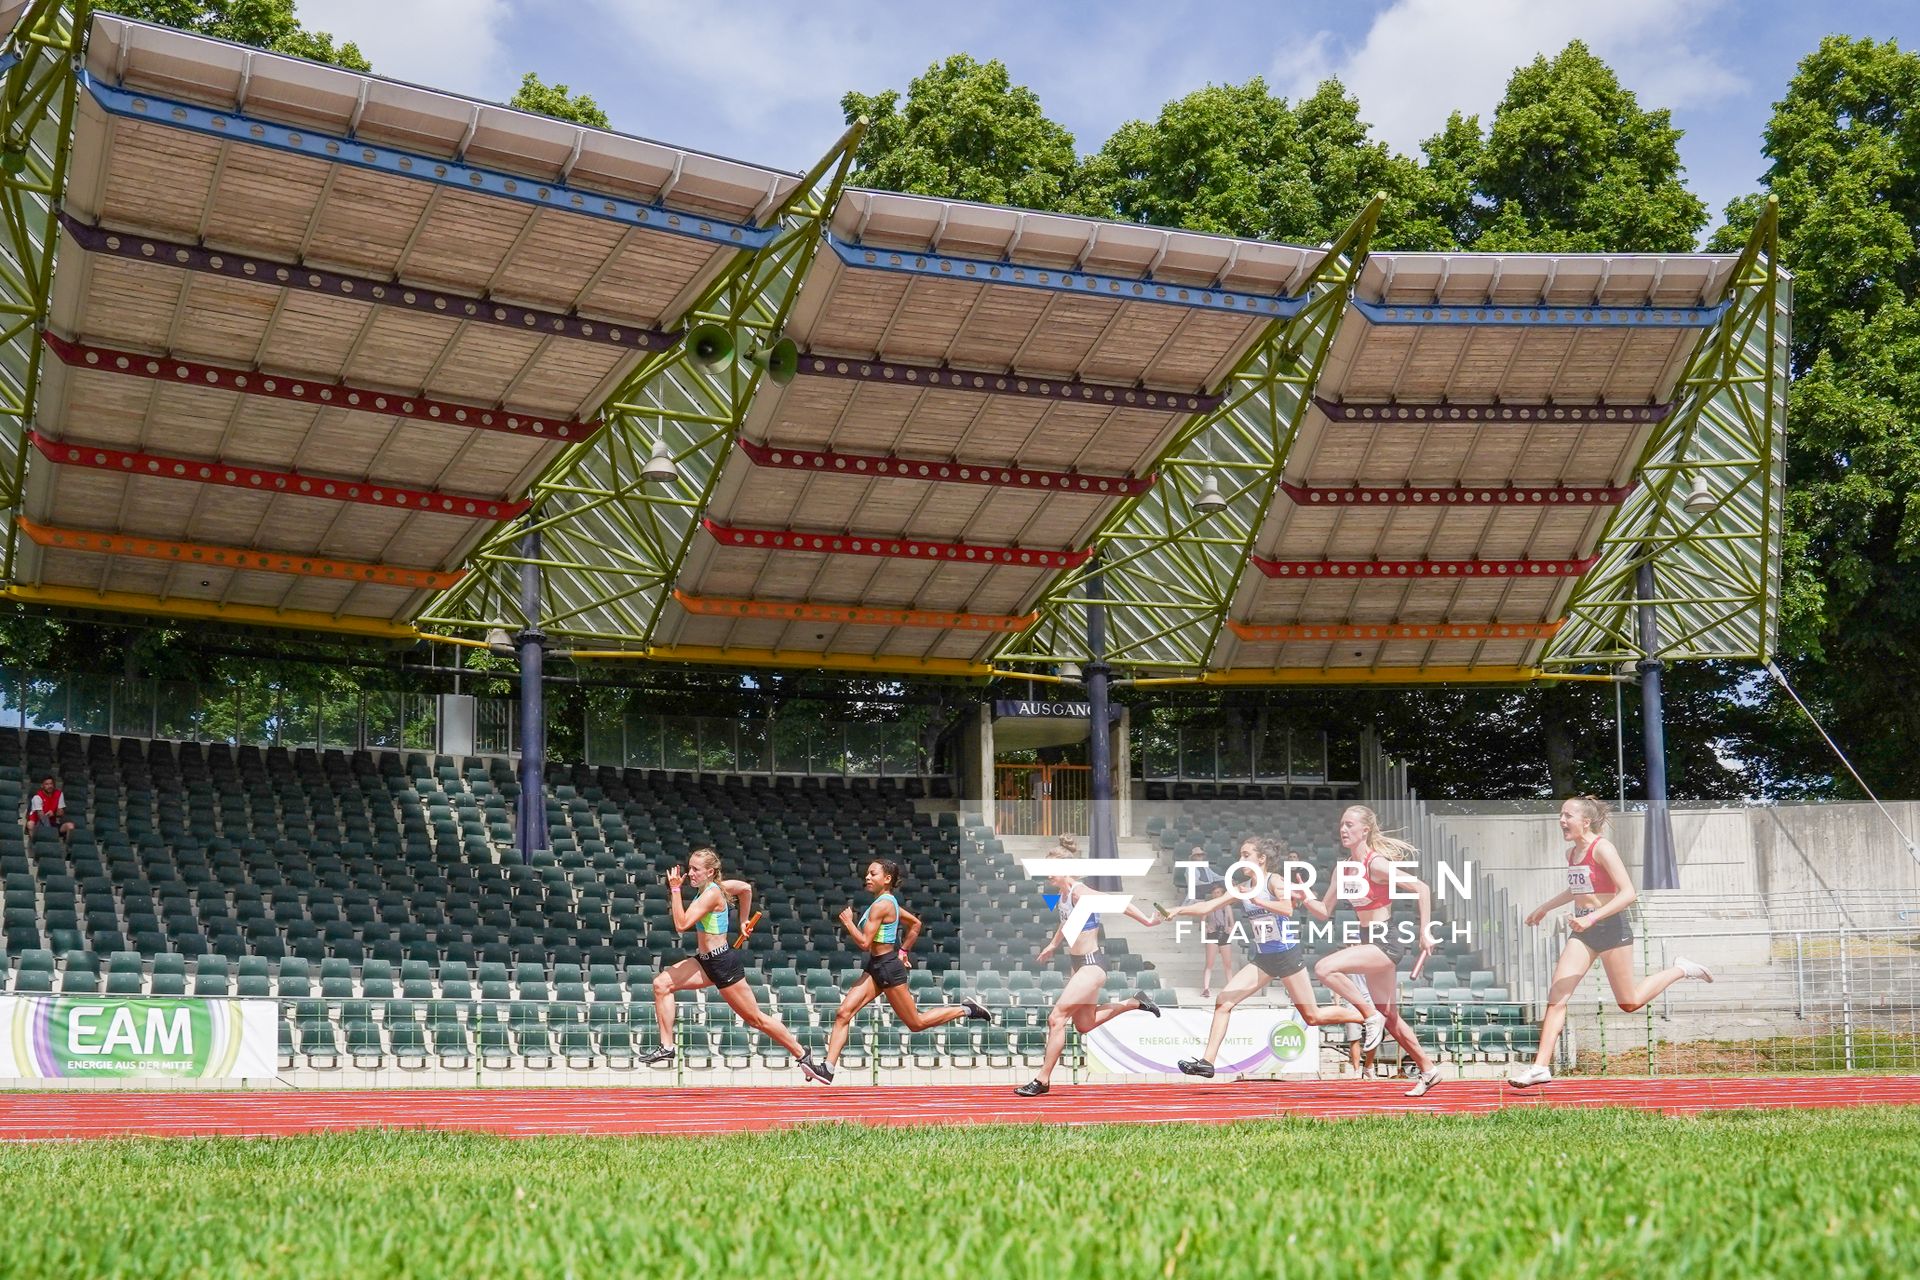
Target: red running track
[530,1112]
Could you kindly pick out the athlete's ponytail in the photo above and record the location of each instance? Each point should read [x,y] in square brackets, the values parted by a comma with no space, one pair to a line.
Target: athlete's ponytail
[1595,810]
[1380,842]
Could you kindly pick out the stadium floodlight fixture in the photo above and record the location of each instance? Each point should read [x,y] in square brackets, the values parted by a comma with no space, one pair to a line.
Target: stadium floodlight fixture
[660,468]
[1070,672]
[500,644]
[1699,498]
[1209,503]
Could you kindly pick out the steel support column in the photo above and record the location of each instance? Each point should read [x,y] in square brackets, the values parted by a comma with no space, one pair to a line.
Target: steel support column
[533,711]
[1658,868]
[1101,839]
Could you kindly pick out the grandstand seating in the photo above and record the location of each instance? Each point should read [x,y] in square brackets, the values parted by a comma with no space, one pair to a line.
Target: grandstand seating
[377,897]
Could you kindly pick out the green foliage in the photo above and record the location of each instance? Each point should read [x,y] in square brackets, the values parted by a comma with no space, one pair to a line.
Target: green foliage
[1844,152]
[265,24]
[1572,164]
[964,131]
[558,101]
[1236,160]
[1524,1192]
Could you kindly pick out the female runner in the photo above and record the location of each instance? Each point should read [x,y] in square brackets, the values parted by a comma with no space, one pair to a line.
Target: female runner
[1273,951]
[1375,961]
[1601,891]
[714,962]
[1079,1004]
[878,932]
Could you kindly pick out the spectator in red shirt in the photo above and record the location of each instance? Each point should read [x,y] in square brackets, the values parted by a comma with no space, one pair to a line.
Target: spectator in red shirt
[48,807]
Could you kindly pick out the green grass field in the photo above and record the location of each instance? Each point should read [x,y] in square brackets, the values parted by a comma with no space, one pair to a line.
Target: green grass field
[1525,1193]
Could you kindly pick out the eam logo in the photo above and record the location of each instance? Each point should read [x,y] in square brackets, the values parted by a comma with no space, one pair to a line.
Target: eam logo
[1086,903]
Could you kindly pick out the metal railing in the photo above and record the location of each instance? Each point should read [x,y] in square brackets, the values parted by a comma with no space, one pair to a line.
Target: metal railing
[241,713]
[734,744]
[1809,999]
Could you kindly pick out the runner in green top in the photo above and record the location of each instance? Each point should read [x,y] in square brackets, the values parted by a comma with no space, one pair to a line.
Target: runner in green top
[715,962]
[885,968]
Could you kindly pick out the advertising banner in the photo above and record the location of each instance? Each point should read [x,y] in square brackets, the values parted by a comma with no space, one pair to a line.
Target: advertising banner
[132,1038]
[1258,1040]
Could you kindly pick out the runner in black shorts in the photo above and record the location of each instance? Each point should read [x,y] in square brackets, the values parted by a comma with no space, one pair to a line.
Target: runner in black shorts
[1273,951]
[885,968]
[1601,891]
[1366,974]
[714,962]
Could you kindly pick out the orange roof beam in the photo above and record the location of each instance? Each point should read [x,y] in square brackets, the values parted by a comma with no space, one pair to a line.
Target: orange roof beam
[209,556]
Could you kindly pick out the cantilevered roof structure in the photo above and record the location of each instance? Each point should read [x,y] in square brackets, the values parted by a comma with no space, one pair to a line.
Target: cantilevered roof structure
[289,345]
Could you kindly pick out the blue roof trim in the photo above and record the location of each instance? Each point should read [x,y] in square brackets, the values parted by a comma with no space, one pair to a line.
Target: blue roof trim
[424,168]
[1587,317]
[1089,284]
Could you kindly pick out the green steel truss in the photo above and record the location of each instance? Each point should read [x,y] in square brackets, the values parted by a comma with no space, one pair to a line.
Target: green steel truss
[1716,570]
[612,544]
[1166,573]
[36,118]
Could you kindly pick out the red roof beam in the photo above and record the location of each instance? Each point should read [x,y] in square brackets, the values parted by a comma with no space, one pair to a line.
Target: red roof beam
[293,484]
[862,544]
[315,391]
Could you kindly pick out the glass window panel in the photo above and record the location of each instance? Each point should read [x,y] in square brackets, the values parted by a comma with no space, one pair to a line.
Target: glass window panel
[755,746]
[177,708]
[44,697]
[90,704]
[604,735]
[257,709]
[791,746]
[643,742]
[717,751]
[680,742]
[381,720]
[133,707]
[1309,759]
[420,722]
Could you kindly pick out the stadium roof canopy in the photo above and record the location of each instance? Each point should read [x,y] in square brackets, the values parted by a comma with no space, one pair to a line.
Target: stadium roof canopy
[290,345]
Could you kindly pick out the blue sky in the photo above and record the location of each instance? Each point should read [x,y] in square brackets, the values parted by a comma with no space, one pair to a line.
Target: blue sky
[763,83]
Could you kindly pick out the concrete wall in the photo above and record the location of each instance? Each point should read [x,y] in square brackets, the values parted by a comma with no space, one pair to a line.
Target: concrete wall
[1839,859]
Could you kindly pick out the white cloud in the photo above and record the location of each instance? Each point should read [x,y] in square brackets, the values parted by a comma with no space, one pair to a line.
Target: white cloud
[454,45]
[1422,59]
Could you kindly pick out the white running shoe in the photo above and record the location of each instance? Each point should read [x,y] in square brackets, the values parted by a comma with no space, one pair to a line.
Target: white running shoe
[1372,1032]
[1424,1082]
[1692,969]
[1528,1078]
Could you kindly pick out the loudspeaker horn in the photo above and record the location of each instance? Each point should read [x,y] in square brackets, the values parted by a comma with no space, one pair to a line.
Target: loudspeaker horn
[710,344]
[781,361]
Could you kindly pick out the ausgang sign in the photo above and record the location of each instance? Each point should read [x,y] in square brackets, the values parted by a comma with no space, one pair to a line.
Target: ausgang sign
[1004,708]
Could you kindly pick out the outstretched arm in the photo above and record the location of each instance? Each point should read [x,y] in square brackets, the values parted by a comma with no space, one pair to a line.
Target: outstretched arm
[1554,903]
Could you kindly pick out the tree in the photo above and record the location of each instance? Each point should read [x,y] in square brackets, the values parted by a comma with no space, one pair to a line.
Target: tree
[1844,163]
[1572,164]
[558,101]
[1237,160]
[265,24]
[966,132]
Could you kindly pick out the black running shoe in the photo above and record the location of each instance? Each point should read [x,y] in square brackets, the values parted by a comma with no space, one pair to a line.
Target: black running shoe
[1146,1003]
[1197,1067]
[1032,1089]
[816,1071]
[656,1057]
[976,1012]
